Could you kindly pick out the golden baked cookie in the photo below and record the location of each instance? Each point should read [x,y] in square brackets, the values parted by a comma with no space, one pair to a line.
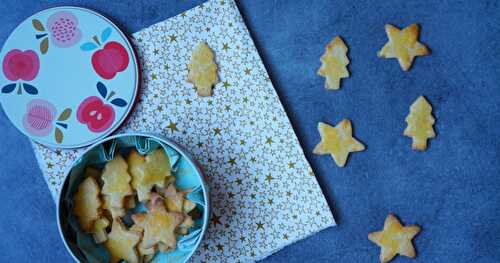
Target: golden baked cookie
[403,45]
[337,141]
[394,239]
[334,63]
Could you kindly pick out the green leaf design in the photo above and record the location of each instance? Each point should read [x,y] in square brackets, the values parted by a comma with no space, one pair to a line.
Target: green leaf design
[59,135]
[38,25]
[44,45]
[64,115]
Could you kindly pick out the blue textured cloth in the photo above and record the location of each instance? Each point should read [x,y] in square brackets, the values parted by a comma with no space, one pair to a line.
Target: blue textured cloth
[451,190]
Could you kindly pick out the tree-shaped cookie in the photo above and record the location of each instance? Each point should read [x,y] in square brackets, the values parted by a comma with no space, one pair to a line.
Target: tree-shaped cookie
[202,69]
[337,141]
[159,226]
[121,243]
[420,122]
[334,63]
[403,45]
[87,203]
[394,239]
[148,171]
[116,181]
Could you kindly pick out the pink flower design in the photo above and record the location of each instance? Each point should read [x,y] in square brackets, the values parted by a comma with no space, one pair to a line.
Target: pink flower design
[39,117]
[19,64]
[63,27]
[95,114]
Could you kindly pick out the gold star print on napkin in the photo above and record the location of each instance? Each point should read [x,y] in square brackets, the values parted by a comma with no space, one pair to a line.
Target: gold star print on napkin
[337,141]
[263,192]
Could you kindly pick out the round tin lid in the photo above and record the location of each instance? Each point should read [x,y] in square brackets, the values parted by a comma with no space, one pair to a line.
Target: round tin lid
[69,77]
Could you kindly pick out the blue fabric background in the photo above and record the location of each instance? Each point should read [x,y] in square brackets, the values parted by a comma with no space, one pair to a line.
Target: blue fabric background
[451,190]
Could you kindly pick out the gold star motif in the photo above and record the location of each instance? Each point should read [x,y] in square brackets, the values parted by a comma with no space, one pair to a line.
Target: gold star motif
[288,193]
[242,142]
[217,131]
[153,76]
[207,29]
[156,51]
[403,45]
[172,126]
[291,165]
[226,84]
[270,201]
[242,238]
[227,108]
[165,67]
[199,144]
[220,247]
[209,102]
[232,161]
[252,196]
[337,141]
[183,14]
[245,99]
[50,165]
[173,38]
[225,46]
[394,239]
[230,194]
[222,2]
[247,71]
[216,219]
[269,178]
[253,159]
[58,152]
[159,108]
[269,140]
[285,236]
[188,101]
[260,225]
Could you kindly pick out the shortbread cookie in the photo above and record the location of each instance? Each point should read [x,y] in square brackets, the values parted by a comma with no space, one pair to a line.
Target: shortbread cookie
[121,243]
[337,141]
[87,203]
[420,122]
[99,232]
[116,181]
[148,171]
[203,70]
[334,63]
[394,239]
[403,45]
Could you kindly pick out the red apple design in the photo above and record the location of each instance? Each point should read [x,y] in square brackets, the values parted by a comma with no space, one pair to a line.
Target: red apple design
[97,115]
[113,58]
[109,60]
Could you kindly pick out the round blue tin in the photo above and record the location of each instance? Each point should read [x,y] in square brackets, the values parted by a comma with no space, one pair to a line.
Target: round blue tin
[188,176]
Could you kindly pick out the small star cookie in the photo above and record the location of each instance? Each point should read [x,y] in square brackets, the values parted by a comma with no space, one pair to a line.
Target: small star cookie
[116,182]
[337,141]
[121,243]
[394,239]
[420,122]
[203,70]
[148,171]
[159,225]
[334,63]
[403,45]
[87,204]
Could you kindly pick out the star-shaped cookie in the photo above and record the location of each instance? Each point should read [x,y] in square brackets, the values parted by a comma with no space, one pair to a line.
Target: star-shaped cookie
[394,239]
[337,141]
[121,243]
[403,45]
[159,225]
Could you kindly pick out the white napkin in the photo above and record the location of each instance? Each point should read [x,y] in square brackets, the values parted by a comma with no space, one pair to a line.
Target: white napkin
[263,192]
